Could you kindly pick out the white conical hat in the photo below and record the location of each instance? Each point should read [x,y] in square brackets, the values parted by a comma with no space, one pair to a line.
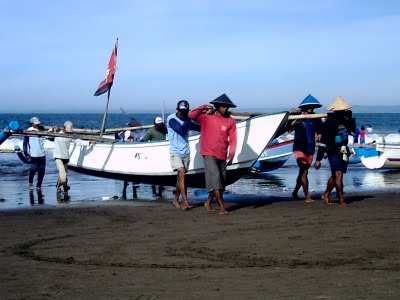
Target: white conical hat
[338,104]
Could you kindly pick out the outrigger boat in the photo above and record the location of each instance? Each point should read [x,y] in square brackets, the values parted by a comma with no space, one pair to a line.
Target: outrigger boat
[150,162]
[274,156]
[382,156]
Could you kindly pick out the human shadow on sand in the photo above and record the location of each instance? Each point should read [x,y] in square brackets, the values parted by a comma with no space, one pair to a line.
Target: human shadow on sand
[270,200]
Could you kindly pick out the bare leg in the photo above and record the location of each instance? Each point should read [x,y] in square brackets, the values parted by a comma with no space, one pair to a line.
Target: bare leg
[298,185]
[218,195]
[330,186]
[177,193]
[183,188]
[207,204]
[304,184]
[339,188]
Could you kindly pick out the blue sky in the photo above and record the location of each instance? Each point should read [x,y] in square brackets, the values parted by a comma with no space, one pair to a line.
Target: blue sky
[262,54]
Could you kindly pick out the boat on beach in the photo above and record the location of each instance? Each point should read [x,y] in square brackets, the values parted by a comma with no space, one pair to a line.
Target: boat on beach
[150,162]
[274,156]
[381,155]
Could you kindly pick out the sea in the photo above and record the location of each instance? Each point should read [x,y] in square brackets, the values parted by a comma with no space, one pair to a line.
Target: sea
[252,188]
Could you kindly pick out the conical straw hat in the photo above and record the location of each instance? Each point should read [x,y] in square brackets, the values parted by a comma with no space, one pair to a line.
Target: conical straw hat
[338,104]
[310,102]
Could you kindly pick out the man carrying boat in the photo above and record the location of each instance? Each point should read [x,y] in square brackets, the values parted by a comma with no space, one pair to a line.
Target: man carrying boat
[218,134]
[34,151]
[334,140]
[157,133]
[306,132]
[179,125]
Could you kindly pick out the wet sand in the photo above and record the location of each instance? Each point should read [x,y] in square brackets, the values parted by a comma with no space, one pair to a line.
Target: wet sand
[274,249]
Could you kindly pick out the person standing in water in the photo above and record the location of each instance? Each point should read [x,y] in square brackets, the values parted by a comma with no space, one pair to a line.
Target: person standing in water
[33,147]
[61,157]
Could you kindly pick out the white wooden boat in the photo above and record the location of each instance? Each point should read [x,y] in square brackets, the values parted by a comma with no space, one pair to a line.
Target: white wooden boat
[385,156]
[274,156]
[150,162]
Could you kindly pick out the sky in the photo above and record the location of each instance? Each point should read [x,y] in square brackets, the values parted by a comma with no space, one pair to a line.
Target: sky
[262,54]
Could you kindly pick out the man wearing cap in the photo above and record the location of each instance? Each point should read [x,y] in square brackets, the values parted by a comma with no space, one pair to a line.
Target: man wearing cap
[61,157]
[34,151]
[156,133]
[306,132]
[217,146]
[333,142]
[179,125]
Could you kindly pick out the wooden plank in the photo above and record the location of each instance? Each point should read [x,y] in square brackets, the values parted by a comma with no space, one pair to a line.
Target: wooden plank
[55,134]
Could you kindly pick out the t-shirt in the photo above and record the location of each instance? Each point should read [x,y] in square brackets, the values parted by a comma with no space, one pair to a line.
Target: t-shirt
[218,134]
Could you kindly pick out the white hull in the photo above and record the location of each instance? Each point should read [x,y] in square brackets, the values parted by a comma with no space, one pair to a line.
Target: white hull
[389,157]
[150,162]
[274,156]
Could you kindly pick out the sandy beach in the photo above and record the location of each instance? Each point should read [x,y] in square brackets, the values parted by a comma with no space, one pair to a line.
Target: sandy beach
[275,249]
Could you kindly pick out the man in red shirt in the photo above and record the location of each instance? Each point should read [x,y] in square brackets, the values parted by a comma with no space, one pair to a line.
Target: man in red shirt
[217,146]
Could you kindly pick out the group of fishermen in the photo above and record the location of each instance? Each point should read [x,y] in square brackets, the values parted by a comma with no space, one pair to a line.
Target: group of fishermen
[218,146]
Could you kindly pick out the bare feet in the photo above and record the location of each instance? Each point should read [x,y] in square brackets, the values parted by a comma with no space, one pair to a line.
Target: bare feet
[295,196]
[222,211]
[186,207]
[308,200]
[176,204]
[208,207]
[327,200]
[342,203]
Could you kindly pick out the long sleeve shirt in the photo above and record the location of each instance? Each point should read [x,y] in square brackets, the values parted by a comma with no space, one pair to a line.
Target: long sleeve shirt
[178,135]
[61,147]
[331,127]
[304,138]
[34,145]
[218,133]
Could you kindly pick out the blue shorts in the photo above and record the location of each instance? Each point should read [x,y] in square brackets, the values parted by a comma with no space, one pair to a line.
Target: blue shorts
[337,164]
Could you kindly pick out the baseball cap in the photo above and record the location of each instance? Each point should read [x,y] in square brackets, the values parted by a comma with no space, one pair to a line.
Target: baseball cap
[183,105]
[35,121]
[158,120]
[68,126]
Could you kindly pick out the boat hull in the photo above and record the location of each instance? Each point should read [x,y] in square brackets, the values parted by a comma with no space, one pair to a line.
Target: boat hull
[384,156]
[274,156]
[150,162]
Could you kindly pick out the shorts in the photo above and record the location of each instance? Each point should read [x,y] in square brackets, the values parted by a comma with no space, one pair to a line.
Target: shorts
[303,160]
[337,164]
[178,161]
[215,173]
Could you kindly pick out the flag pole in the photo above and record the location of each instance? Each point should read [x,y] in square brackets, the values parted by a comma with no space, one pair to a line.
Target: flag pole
[105,113]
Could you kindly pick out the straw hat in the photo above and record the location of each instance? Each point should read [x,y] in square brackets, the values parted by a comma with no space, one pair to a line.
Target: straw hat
[338,104]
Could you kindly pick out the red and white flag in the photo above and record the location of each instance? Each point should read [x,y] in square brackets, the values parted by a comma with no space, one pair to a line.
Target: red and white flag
[106,84]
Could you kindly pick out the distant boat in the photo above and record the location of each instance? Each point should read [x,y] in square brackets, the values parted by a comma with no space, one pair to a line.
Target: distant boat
[274,156]
[150,162]
[382,156]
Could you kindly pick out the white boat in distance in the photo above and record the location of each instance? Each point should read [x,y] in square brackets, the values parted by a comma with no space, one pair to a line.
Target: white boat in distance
[386,156]
[150,162]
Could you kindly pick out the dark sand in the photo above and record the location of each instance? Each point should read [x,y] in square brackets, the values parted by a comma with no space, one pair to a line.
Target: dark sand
[150,250]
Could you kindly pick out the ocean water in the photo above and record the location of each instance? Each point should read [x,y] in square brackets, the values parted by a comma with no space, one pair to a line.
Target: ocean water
[276,185]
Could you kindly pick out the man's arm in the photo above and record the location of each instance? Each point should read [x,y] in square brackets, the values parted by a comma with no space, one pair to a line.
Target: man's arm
[26,145]
[197,112]
[178,128]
